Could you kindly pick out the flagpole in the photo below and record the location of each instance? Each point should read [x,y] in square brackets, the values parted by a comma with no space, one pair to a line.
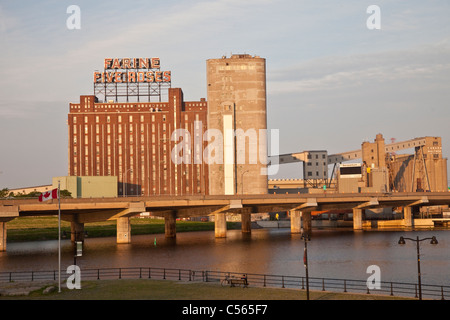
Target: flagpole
[59,238]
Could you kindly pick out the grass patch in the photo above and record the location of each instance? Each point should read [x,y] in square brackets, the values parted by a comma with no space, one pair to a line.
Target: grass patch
[46,228]
[150,289]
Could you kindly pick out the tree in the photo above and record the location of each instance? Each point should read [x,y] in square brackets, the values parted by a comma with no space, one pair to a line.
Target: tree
[4,192]
[33,194]
[65,193]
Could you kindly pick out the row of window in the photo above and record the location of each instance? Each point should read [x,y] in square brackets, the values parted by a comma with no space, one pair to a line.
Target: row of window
[131,117]
[317,164]
[310,156]
[310,174]
[120,118]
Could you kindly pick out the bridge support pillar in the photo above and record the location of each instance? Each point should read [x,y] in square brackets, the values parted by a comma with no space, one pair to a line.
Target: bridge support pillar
[170,227]
[76,231]
[123,230]
[306,222]
[7,213]
[246,222]
[296,221]
[3,235]
[220,225]
[357,219]
[407,217]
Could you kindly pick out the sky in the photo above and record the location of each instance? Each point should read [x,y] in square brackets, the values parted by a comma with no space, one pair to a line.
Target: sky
[332,82]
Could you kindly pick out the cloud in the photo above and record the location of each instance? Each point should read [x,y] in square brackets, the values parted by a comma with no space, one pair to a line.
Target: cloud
[425,63]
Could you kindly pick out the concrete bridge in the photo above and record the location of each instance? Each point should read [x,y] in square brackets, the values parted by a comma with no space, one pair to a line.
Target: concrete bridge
[81,211]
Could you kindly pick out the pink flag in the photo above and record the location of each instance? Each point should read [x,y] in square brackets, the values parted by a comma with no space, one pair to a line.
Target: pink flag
[48,195]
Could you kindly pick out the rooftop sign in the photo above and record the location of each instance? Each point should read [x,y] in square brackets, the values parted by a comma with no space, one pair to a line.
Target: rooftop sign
[132,70]
[131,77]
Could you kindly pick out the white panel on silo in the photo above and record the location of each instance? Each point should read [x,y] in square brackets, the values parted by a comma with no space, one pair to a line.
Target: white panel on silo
[228,154]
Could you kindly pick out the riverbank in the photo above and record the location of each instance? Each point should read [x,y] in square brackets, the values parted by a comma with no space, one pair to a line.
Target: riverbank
[46,228]
[149,289]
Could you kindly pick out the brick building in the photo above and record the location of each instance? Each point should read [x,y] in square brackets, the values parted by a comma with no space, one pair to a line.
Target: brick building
[134,141]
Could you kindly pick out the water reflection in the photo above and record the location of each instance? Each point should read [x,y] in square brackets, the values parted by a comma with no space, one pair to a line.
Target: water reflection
[331,253]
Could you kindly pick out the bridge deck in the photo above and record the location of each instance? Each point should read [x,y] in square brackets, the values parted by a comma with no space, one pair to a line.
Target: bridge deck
[202,205]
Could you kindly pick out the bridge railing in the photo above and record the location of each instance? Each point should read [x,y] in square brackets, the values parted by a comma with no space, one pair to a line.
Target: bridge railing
[399,289]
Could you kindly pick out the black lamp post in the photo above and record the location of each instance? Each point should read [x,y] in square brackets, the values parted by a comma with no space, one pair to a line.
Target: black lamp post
[417,240]
[306,238]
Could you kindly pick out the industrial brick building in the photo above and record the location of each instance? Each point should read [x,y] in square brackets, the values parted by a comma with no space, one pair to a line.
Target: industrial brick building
[157,148]
[134,142]
[424,170]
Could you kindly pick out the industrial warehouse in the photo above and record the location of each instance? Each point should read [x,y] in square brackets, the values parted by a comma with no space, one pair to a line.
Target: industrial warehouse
[136,141]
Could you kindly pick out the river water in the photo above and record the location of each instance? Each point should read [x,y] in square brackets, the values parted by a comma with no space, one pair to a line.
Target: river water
[332,253]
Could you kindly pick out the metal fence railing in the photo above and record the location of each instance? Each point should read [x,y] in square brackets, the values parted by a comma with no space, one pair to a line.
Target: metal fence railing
[256,280]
